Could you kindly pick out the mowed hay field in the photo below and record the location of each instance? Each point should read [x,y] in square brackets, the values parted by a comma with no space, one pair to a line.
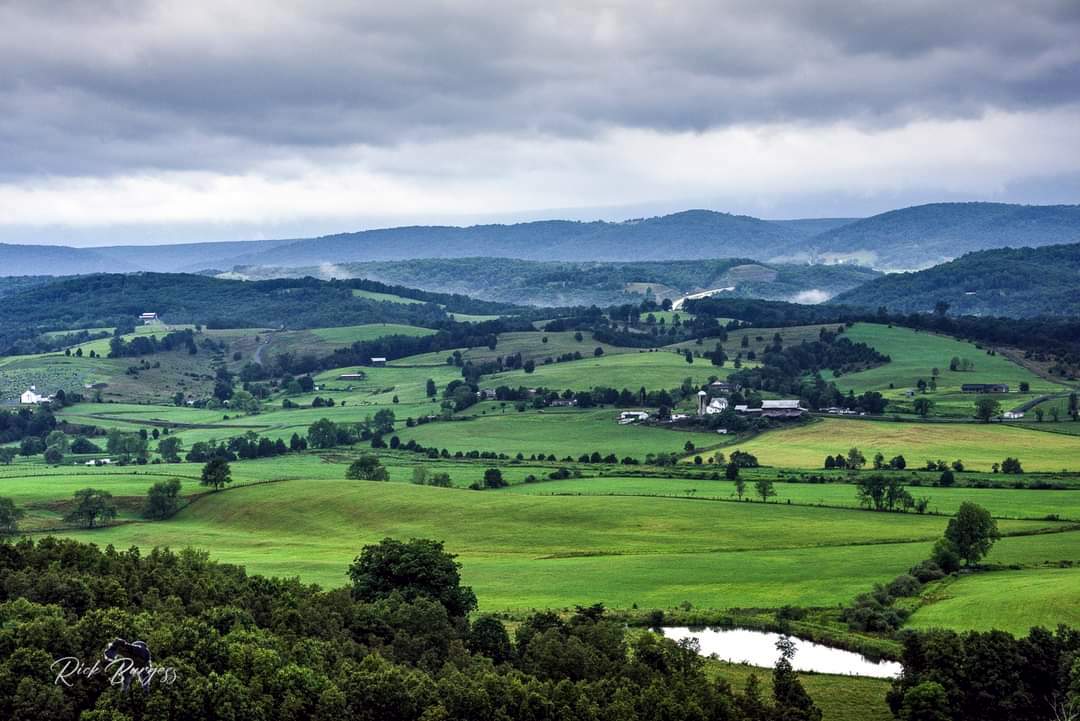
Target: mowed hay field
[559,432]
[323,341]
[651,370]
[522,552]
[978,445]
[1012,601]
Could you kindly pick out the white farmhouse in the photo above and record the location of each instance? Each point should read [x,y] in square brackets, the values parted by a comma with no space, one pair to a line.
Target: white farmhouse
[31,397]
[707,407]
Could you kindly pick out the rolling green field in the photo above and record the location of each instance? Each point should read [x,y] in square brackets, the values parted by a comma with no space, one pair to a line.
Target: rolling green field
[525,552]
[559,432]
[530,345]
[1012,601]
[978,445]
[914,354]
[1002,502]
[656,370]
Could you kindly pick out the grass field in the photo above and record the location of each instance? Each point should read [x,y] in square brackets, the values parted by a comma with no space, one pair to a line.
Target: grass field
[384,297]
[977,445]
[1012,601]
[655,370]
[1002,502]
[522,552]
[558,432]
[914,354]
[530,345]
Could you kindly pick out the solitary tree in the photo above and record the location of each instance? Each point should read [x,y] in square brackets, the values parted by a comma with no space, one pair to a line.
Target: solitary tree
[9,517]
[216,473]
[986,408]
[922,406]
[169,449]
[972,531]
[367,468]
[791,701]
[493,478]
[855,459]
[765,489]
[163,499]
[7,455]
[91,506]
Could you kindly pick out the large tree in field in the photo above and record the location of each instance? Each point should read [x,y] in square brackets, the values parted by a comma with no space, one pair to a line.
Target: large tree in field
[9,517]
[418,568]
[765,489]
[986,408]
[91,506]
[972,531]
[367,468]
[163,499]
[216,474]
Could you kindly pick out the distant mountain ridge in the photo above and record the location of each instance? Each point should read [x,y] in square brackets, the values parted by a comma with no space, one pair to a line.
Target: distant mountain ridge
[905,239]
[1014,282]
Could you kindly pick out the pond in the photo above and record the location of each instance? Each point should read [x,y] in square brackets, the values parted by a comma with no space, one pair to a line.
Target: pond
[758,648]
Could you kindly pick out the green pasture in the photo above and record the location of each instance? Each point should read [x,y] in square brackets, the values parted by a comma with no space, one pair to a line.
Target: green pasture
[472,317]
[978,445]
[1002,502]
[559,432]
[384,297]
[525,552]
[53,372]
[324,341]
[652,370]
[529,344]
[1009,600]
[915,354]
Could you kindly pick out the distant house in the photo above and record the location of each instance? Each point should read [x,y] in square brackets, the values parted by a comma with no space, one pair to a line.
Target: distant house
[627,417]
[487,394]
[774,409]
[148,317]
[563,403]
[352,376]
[32,397]
[984,388]
[1012,415]
[378,361]
[709,407]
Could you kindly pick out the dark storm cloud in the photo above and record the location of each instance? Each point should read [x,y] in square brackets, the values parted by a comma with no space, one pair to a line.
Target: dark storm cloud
[96,88]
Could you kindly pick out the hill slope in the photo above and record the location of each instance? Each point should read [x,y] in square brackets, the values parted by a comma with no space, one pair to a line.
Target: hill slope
[924,235]
[1018,282]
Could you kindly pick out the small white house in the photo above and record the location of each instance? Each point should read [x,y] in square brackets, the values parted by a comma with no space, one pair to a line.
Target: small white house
[1012,415]
[148,318]
[32,397]
[627,417]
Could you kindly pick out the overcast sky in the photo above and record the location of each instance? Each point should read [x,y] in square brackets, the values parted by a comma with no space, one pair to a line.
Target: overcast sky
[148,121]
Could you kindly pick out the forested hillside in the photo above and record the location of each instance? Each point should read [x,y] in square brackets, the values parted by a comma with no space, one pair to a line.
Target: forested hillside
[1018,282]
[588,283]
[923,235]
[114,300]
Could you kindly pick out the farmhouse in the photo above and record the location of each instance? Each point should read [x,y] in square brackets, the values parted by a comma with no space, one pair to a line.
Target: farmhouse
[563,403]
[32,397]
[352,376]
[632,417]
[148,317]
[487,394]
[774,409]
[985,388]
[709,407]
[378,361]
[1012,415]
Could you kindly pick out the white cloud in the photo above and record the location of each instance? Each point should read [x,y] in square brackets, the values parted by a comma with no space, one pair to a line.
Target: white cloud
[740,167]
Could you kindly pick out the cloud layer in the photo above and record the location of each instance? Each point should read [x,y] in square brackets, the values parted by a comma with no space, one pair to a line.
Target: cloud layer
[265,112]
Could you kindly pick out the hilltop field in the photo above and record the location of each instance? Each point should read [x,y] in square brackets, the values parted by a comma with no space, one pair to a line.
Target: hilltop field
[638,517]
